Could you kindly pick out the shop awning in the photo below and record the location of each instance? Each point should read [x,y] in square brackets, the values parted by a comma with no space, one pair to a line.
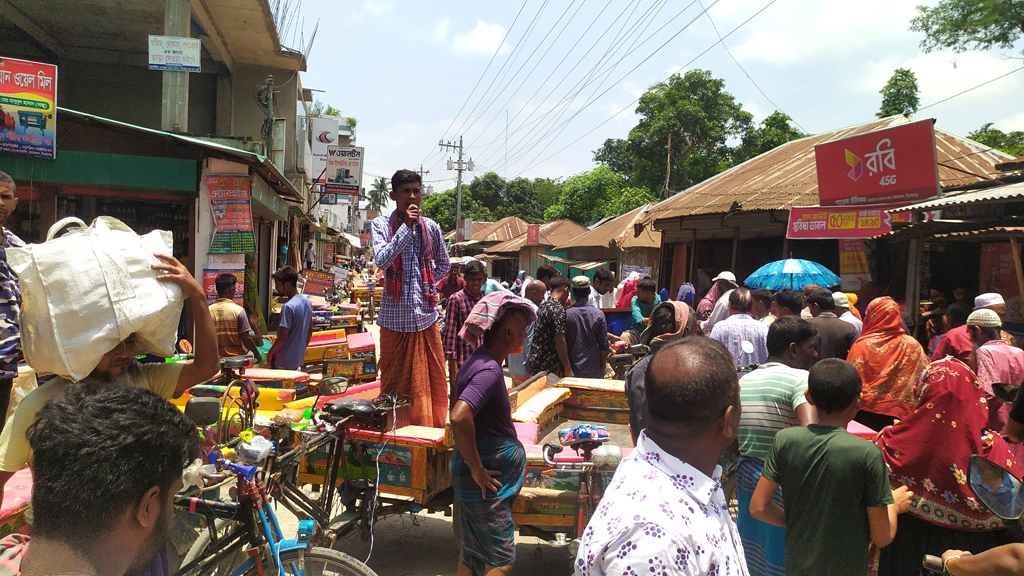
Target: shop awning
[352,239]
[994,194]
[577,264]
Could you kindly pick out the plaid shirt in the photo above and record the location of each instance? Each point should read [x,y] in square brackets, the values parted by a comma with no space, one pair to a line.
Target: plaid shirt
[10,298]
[459,306]
[410,313]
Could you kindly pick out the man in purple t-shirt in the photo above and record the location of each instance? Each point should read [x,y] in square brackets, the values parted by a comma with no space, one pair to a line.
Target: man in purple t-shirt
[488,462]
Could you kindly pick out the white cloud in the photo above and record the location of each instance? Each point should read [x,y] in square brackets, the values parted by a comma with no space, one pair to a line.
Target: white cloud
[676,69]
[1013,123]
[440,33]
[482,40]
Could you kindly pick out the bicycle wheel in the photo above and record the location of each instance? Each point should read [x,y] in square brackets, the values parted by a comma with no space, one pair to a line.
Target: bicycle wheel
[315,561]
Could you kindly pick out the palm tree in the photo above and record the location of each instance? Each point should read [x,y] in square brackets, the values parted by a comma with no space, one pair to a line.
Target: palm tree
[378,194]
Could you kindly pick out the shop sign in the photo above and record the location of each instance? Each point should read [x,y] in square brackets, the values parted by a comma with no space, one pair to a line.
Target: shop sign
[328,255]
[329,199]
[175,53]
[820,223]
[28,108]
[317,283]
[643,271]
[324,132]
[364,238]
[895,165]
[210,283]
[533,235]
[232,215]
[853,264]
[998,274]
[344,170]
[340,275]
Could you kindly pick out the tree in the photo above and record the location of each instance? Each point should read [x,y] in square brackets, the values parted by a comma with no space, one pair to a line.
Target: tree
[774,131]
[961,25]
[628,199]
[332,111]
[379,193]
[441,208]
[699,116]
[615,154]
[584,197]
[900,95]
[350,121]
[1012,143]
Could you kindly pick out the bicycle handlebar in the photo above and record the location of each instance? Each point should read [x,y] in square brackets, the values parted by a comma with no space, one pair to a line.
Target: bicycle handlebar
[549,452]
[932,563]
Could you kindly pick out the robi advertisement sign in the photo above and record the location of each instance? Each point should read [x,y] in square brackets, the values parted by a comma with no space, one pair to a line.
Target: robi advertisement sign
[891,166]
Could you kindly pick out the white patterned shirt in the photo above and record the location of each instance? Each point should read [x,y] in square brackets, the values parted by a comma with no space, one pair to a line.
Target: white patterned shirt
[661,517]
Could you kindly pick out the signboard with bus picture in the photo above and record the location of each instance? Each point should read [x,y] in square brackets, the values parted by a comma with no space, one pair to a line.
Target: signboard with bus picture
[892,166]
[232,215]
[28,108]
[344,170]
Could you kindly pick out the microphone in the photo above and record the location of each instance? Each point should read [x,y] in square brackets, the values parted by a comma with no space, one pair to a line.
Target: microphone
[414,224]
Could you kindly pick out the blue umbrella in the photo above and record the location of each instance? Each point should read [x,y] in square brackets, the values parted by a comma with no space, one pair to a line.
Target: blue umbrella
[792,273]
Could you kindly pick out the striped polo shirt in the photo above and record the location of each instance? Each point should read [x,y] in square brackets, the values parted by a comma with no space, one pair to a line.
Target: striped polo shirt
[769,397]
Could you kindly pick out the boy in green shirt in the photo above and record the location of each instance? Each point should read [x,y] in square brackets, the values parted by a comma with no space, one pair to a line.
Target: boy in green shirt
[642,304]
[835,485]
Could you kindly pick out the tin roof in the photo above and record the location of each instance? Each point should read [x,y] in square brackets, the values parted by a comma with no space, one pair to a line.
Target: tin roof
[786,176]
[618,232]
[551,234]
[1010,191]
[478,227]
[501,231]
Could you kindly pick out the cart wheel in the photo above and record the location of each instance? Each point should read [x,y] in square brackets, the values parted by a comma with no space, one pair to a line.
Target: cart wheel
[538,553]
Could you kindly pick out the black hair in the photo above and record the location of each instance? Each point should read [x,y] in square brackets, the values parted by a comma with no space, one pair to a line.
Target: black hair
[404,176]
[500,324]
[956,314]
[546,271]
[789,299]
[834,385]
[581,294]
[603,274]
[989,333]
[559,282]
[475,267]
[6,179]
[691,382]
[788,330]
[647,285]
[287,275]
[226,285]
[740,300]
[96,451]
[663,320]
[763,296]
[822,299]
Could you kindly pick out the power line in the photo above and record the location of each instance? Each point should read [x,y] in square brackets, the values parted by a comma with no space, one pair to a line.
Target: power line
[969,89]
[484,73]
[694,59]
[747,74]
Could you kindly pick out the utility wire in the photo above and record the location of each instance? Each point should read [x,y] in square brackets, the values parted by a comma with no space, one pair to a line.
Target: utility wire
[747,74]
[969,89]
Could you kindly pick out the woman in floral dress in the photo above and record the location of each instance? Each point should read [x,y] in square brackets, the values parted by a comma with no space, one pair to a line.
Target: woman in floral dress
[928,451]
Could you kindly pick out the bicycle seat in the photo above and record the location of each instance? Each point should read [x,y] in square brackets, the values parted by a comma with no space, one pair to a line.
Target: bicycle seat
[345,407]
[234,362]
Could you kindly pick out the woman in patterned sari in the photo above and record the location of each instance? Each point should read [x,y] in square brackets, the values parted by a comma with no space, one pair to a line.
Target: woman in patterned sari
[889,362]
[928,452]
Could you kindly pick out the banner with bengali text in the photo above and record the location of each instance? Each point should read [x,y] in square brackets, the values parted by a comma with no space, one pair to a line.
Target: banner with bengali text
[28,108]
[232,215]
[822,223]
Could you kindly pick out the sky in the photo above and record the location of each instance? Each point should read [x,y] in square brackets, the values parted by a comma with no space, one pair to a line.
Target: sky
[535,87]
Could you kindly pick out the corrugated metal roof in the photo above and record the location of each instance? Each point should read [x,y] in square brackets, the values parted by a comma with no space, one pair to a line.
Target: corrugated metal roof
[995,231]
[618,232]
[502,231]
[478,227]
[551,234]
[786,176]
[995,193]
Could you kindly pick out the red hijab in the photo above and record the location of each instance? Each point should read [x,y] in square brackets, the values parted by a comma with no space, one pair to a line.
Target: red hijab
[928,451]
[889,361]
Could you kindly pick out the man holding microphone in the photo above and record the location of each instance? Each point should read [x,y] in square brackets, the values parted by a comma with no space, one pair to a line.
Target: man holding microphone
[410,250]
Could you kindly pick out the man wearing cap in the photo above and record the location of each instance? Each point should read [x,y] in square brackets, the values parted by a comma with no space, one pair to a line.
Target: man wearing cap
[994,361]
[718,297]
[586,333]
[957,342]
[842,309]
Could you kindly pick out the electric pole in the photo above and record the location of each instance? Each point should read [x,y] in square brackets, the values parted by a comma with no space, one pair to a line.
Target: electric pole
[426,189]
[460,166]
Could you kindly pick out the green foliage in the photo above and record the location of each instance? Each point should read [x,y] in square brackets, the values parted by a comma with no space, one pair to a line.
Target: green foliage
[332,111]
[379,194]
[441,208]
[1010,142]
[963,25]
[900,95]
[586,197]
[615,154]
[490,198]
[628,199]
[700,116]
[774,131]
[351,122]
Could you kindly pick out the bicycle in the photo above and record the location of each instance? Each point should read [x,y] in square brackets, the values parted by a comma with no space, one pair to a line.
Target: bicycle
[344,504]
[248,528]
